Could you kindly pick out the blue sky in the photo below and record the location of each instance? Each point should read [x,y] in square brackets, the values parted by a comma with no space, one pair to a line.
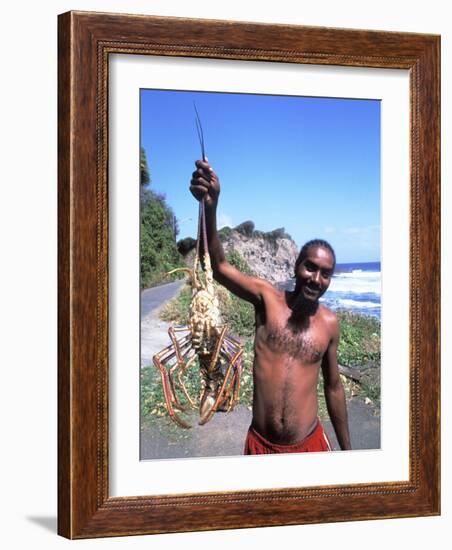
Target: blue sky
[308,164]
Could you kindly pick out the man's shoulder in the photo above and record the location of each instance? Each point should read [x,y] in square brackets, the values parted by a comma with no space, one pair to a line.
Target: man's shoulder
[329,317]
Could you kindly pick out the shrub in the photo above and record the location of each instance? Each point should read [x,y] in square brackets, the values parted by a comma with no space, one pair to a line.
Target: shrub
[279,233]
[184,246]
[158,252]
[359,342]
[224,233]
[245,228]
[177,310]
[239,262]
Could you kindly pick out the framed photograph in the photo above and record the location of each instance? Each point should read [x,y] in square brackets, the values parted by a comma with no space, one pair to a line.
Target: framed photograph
[313,133]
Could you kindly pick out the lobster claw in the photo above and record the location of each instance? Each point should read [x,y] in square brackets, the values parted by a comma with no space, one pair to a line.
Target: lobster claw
[205,407]
[211,402]
[212,391]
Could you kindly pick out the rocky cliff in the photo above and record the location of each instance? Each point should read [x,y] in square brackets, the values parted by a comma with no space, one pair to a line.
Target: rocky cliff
[270,255]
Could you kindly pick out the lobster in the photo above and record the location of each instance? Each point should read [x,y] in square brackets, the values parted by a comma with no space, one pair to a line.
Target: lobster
[205,339]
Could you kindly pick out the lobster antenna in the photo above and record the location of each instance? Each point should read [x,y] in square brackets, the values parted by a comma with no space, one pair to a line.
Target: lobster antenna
[198,238]
[200,132]
[202,232]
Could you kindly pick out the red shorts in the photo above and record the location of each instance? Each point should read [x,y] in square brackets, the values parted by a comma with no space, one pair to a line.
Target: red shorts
[316,441]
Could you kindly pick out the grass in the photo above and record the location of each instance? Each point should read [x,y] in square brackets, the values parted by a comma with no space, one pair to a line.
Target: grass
[359,346]
[372,392]
[359,343]
[176,310]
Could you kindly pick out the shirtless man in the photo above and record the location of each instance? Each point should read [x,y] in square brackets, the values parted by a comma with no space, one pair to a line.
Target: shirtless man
[295,337]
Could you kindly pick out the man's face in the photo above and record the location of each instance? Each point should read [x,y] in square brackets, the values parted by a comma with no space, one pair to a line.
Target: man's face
[313,275]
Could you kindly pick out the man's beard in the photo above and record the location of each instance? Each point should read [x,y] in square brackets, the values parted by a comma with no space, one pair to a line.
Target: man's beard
[302,306]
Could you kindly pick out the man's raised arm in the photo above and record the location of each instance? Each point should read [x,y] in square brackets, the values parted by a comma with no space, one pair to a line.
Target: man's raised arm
[205,185]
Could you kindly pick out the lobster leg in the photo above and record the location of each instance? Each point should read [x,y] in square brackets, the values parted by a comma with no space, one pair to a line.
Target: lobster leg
[228,347]
[178,350]
[180,365]
[169,394]
[232,391]
[181,383]
[235,389]
[211,375]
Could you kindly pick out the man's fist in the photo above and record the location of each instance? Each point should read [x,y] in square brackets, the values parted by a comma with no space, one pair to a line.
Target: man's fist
[205,184]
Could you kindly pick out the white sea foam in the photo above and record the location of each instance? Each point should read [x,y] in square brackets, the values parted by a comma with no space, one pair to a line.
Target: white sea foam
[357,273]
[357,304]
[357,282]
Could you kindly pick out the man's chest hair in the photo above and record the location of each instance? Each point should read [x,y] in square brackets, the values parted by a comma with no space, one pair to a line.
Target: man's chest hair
[305,339]
[301,344]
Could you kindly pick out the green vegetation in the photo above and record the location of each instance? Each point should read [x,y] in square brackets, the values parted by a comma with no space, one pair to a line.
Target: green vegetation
[176,310]
[371,391]
[359,343]
[239,262]
[245,228]
[238,314]
[240,317]
[359,346]
[145,178]
[224,233]
[248,229]
[278,233]
[158,251]
[184,246]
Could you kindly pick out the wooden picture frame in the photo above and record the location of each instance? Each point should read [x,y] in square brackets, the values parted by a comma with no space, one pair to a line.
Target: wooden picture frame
[85,508]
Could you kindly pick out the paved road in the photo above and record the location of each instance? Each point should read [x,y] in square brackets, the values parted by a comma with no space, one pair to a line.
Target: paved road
[364,426]
[154,331]
[225,433]
[152,298]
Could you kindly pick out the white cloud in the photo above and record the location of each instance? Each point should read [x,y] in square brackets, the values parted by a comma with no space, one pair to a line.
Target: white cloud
[353,230]
[224,220]
[362,238]
[367,230]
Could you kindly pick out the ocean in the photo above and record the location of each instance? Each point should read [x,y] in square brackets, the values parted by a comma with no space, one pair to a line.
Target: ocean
[355,287]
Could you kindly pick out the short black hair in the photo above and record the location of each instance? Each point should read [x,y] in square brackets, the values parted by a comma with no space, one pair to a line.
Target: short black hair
[320,243]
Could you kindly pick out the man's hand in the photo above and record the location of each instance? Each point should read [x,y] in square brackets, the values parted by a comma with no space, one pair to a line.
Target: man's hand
[205,184]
